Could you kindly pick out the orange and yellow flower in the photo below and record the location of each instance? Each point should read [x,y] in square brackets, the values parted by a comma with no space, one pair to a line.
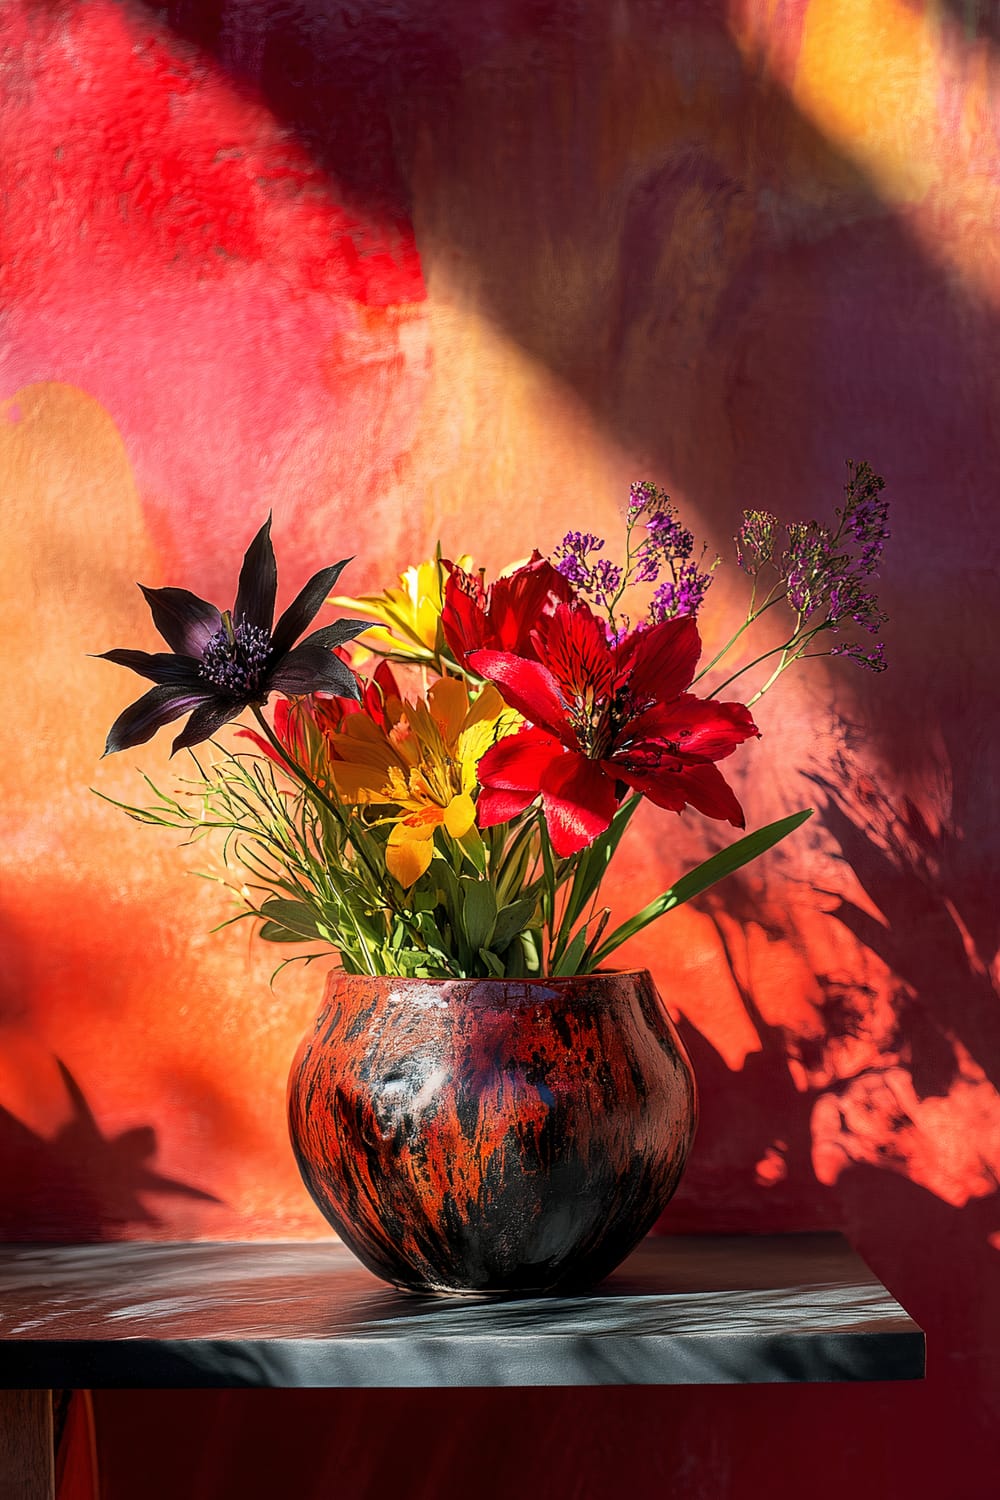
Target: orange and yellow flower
[418,760]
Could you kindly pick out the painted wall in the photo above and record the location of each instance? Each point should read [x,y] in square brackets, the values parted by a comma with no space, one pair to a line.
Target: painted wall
[401,272]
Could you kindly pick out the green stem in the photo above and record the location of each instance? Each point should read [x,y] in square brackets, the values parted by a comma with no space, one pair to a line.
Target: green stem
[338,812]
[800,642]
[755,663]
[751,618]
[784,662]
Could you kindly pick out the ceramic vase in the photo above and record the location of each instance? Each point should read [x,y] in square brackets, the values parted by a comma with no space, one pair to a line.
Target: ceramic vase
[492,1135]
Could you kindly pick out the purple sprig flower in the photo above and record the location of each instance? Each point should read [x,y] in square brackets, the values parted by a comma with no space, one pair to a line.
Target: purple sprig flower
[826,573]
[866,514]
[681,596]
[807,565]
[755,540]
[605,582]
[873,660]
[572,556]
[642,496]
[666,543]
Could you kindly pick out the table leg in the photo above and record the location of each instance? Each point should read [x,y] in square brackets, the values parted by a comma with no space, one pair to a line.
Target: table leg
[27,1461]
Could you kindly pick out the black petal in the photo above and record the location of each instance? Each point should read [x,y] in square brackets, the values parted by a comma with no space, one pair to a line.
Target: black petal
[161,667]
[140,721]
[258,582]
[336,634]
[205,721]
[304,606]
[185,622]
[313,669]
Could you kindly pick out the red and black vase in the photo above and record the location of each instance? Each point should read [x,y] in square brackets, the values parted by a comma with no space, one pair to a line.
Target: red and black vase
[492,1135]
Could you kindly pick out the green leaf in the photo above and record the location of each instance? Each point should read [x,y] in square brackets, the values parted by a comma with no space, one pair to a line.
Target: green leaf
[703,876]
[479,912]
[293,915]
[475,849]
[594,940]
[593,865]
[271,932]
[510,921]
[530,944]
[548,864]
[569,963]
[494,964]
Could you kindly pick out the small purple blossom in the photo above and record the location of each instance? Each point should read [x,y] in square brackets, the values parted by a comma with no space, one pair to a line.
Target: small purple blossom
[826,573]
[850,600]
[643,495]
[755,540]
[874,660]
[866,514]
[807,566]
[605,582]
[666,535]
[666,542]
[573,553]
[681,596]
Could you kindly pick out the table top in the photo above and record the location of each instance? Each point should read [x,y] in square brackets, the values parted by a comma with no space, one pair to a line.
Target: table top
[682,1310]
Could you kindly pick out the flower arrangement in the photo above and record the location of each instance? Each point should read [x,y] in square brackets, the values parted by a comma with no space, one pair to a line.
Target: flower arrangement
[453,811]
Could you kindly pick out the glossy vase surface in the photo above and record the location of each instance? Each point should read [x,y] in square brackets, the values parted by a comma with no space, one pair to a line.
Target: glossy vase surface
[491,1135]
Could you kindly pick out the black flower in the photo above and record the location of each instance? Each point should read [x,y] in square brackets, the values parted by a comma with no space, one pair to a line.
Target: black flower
[221,661]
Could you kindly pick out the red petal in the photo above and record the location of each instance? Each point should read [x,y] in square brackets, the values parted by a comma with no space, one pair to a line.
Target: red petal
[527,686]
[378,692]
[660,662]
[463,614]
[518,762]
[503,618]
[701,727]
[579,801]
[573,646]
[520,600]
[701,787]
[499,807]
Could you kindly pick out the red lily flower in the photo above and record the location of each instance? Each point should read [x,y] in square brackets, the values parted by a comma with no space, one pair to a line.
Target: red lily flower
[503,616]
[603,718]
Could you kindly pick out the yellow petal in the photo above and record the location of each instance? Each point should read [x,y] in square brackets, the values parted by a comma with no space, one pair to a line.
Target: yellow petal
[418,825]
[487,708]
[358,783]
[459,815]
[449,704]
[407,862]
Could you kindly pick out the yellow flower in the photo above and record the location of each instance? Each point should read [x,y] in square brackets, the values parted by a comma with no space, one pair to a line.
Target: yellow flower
[409,616]
[420,759]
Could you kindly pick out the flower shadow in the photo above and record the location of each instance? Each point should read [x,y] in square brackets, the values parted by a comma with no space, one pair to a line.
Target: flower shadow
[80,1184]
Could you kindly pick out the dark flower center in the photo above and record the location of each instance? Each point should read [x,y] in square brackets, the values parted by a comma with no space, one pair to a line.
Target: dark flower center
[235,659]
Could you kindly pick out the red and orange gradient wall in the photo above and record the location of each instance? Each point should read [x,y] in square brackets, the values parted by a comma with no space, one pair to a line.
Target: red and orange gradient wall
[400,273]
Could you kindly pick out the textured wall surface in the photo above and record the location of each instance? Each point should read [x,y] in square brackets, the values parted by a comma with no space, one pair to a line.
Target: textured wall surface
[400,272]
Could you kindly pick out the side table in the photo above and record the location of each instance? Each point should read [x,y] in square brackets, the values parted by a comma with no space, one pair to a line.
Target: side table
[682,1310]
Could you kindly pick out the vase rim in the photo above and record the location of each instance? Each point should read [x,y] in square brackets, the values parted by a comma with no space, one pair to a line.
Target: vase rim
[491,979]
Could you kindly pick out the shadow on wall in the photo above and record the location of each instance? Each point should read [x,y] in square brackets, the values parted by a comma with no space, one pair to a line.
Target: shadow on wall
[659,225]
[79,1184]
[664,230]
[897,1077]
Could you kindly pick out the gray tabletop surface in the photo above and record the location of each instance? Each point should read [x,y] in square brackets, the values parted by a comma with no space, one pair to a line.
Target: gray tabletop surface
[682,1310]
